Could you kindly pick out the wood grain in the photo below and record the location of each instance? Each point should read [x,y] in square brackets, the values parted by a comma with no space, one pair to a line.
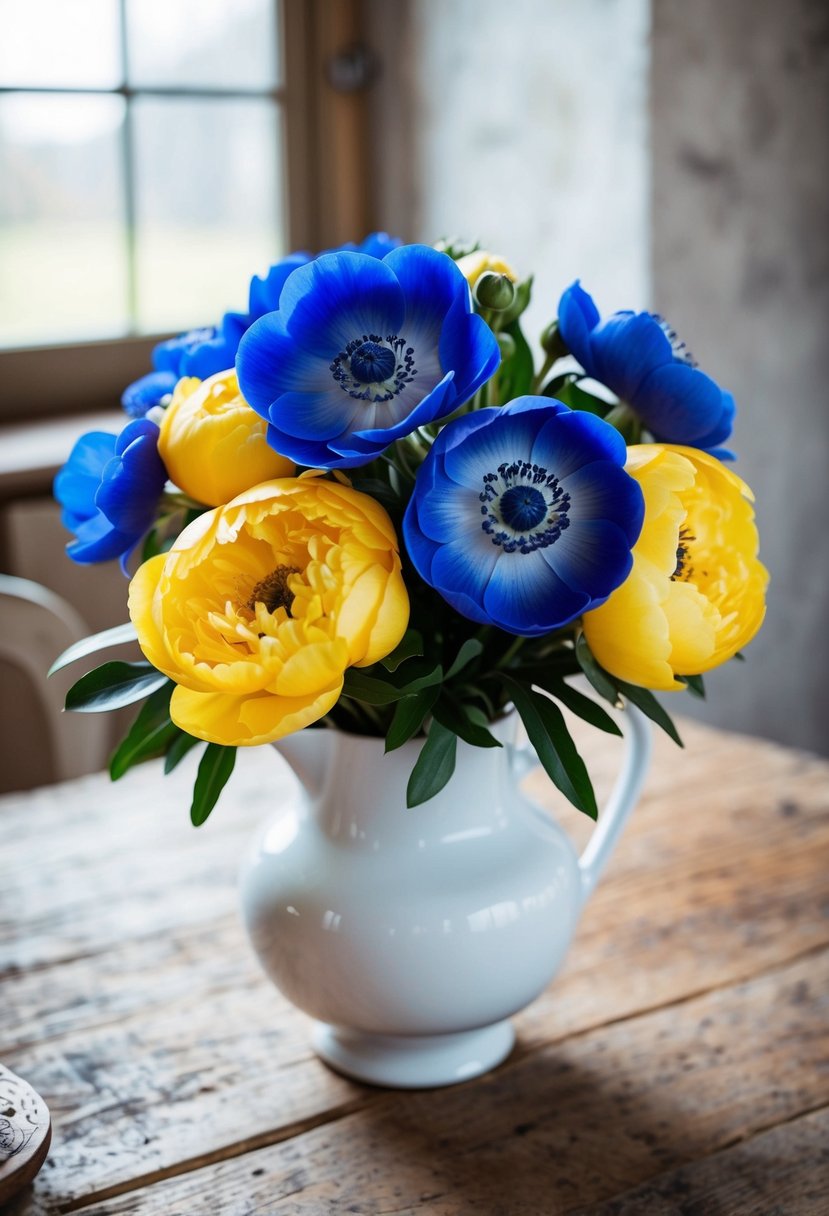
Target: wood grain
[174,1071]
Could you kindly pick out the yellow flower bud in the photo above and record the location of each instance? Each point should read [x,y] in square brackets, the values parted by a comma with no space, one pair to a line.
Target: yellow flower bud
[213,444]
[696,593]
[473,265]
[262,604]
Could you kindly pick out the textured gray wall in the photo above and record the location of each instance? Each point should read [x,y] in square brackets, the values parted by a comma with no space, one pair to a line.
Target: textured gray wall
[740,229]
[529,125]
[524,125]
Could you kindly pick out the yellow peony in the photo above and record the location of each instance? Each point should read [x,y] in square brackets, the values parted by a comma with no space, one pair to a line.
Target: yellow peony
[213,444]
[473,265]
[696,593]
[261,605]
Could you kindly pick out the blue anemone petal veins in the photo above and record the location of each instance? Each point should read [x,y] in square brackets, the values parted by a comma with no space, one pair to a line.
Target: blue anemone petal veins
[640,359]
[524,517]
[203,352]
[109,490]
[362,351]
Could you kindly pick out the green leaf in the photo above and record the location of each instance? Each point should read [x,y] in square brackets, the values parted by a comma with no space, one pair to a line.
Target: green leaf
[695,685]
[643,699]
[112,686]
[597,676]
[554,746]
[574,396]
[584,707]
[409,647]
[435,765]
[470,650]
[409,716]
[518,371]
[460,721]
[178,749]
[361,687]
[215,768]
[150,734]
[117,636]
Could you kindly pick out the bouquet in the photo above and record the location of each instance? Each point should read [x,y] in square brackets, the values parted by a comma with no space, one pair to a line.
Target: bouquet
[361,505]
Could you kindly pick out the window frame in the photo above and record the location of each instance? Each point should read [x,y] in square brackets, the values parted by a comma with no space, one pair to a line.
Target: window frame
[325,188]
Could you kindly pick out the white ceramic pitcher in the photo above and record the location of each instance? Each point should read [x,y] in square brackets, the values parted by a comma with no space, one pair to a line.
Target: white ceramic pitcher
[412,936]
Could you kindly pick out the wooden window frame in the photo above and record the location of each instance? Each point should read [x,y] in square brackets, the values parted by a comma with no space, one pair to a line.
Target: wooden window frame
[328,203]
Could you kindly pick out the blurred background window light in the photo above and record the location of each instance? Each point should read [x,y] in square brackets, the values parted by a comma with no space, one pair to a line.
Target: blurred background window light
[125,128]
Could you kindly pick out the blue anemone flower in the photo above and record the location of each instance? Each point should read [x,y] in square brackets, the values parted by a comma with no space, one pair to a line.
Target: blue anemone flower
[523,517]
[363,351]
[109,490]
[203,352]
[642,361]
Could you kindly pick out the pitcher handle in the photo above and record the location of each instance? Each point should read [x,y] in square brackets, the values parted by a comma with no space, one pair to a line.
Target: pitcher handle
[638,738]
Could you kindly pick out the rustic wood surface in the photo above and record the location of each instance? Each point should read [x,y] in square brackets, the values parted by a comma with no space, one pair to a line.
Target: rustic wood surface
[678,1064]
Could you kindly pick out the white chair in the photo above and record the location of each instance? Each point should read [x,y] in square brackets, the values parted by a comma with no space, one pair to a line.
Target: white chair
[36,625]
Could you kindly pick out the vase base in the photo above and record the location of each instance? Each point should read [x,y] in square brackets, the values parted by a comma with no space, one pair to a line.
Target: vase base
[413,1061]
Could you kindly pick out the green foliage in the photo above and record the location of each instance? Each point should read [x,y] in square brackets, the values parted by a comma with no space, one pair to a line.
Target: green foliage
[150,735]
[611,689]
[178,749]
[112,686]
[516,375]
[554,746]
[435,765]
[409,716]
[119,635]
[578,399]
[409,647]
[695,685]
[215,768]
[463,722]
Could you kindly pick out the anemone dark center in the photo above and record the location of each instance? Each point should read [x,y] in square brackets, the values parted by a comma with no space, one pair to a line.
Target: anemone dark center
[372,363]
[273,590]
[678,348]
[374,368]
[523,507]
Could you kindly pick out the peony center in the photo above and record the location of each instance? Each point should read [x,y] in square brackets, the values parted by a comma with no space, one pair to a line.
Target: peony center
[273,590]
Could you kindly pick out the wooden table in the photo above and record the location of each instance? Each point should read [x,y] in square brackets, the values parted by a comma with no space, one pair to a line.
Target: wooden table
[677,1065]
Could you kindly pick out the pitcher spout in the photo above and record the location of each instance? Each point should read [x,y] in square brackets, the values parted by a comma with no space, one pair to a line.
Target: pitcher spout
[307,752]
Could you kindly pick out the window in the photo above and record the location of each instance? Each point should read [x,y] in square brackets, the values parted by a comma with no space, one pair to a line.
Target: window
[153,155]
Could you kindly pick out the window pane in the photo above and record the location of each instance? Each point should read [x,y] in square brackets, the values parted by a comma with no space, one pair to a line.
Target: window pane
[203,42]
[62,254]
[209,213]
[60,43]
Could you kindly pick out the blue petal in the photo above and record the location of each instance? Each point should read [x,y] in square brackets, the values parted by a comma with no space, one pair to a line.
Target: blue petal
[505,439]
[592,556]
[270,362]
[378,244]
[569,441]
[469,346]
[265,293]
[420,548]
[602,490]
[578,316]
[627,348]
[449,512]
[302,451]
[682,404]
[98,541]
[147,392]
[322,416]
[436,404]
[526,596]
[466,565]
[431,282]
[337,298]
[168,356]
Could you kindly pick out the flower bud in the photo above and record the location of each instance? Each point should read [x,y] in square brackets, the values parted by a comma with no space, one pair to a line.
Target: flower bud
[473,265]
[552,342]
[494,291]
